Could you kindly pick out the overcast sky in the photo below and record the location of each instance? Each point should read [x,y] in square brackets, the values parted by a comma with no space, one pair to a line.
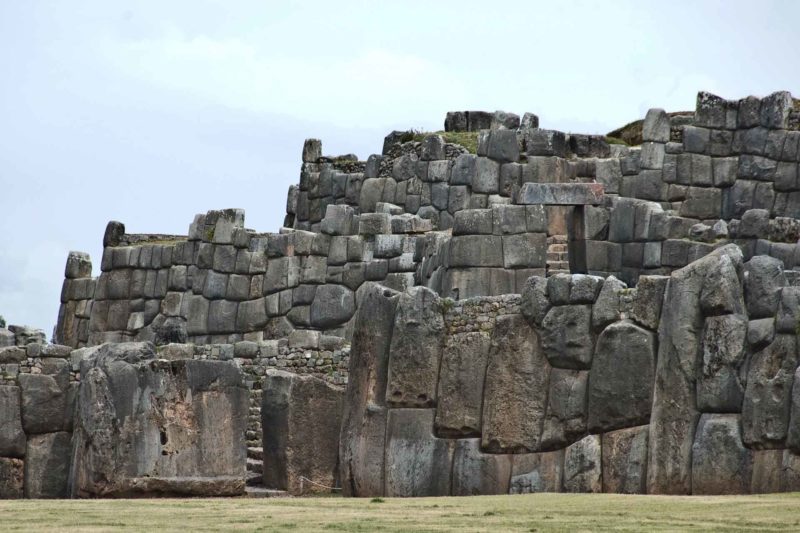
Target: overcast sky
[149,112]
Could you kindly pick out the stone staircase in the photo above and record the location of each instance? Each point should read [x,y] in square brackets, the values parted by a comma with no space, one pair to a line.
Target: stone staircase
[557,259]
[255,478]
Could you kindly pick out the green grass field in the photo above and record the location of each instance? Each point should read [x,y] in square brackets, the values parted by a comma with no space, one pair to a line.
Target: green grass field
[535,512]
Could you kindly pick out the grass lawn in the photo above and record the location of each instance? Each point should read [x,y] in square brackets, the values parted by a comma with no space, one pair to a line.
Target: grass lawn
[534,512]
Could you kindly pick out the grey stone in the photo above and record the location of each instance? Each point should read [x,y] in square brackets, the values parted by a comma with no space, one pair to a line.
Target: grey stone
[767,397]
[540,142]
[301,416]
[583,466]
[527,250]
[416,348]
[535,304]
[720,383]
[417,463]
[720,462]
[502,146]
[702,202]
[788,317]
[339,220]
[566,336]
[476,251]
[461,379]
[332,305]
[609,173]
[374,223]
[12,478]
[537,472]
[565,418]
[696,139]
[222,316]
[607,306]
[476,473]
[656,126]
[515,396]
[763,279]
[44,402]
[624,460]
[432,148]
[487,176]
[12,436]
[620,391]
[474,221]
[464,170]
[775,109]
[47,465]
[561,194]
[760,333]
[652,155]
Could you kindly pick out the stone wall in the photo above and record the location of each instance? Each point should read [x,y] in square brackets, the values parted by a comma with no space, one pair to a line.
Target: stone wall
[682,385]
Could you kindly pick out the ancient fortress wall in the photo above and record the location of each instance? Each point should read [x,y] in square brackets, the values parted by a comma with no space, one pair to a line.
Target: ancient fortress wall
[551,312]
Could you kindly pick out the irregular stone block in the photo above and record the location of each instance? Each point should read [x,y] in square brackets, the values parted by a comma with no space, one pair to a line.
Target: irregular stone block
[416,348]
[487,176]
[12,437]
[620,381]
[461,378]
[583,466]
[374,223]
[473,222]
[432,148]
[362,441]
[537,472]
[624,458]
[561,194]
[476,251]
[417,463]
[300,417]
[656,126]
[674,416]
[565,418]
[332,305]
[767,471]
[516,386]
[464,170]
[502,146]
[567,339]
[535,303]
[476,473]
[720,462]
[539,142]
[525,250]
[44,402]
[153,427]
[763,280]
[767,397]
[720,386]
[12,478]
[47,465]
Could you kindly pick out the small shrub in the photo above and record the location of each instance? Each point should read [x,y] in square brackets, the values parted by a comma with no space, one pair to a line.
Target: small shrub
[377,500]
[2,322]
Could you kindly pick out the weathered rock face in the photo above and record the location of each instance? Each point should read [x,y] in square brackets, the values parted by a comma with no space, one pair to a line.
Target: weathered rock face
[620,390]
[720,462]
[156,427]
[47,465]
[720,386]
[565,418]
[416,349]
[515,394]
[567,338]
[301,419]
[583,466]
[12,478]
[12,436]
[476,473]
[363,433]
[537,472]
[45,405]
[625,460]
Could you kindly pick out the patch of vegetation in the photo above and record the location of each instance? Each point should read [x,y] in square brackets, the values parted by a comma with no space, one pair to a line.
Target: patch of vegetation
[615,140]
[210,233]
[377,500]
[631,133]
[2,322]
[467,139]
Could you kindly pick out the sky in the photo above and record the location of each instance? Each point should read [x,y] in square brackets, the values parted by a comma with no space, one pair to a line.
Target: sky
[149,112]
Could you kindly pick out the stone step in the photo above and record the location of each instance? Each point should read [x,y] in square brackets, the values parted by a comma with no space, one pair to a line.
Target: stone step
[254,479]
[556,257]
[255,452]
[556,271]
[562,248]
[255,465]
[558,265]
[262,492]
[557,239]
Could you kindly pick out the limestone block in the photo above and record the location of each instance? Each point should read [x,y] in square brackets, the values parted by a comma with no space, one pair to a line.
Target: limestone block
[656,126]
[607,306]
[79,265]
[624,460]
[417,463]
[609,173]
[567,340]
[47,465]
[515,396]
[540,142]
[535,302]
[222,316]
[12,437]
[371,194]
[775,110]
[185,435]
[332,305]
[12,478]
[767,471]
[561,194]
[793,433]
[432,148]
[565,418]
[652,155]
[476,473]
[509,219]
[702,202]
[196,310]
[674,416]
[415,350]
[362,440]
[720,384]
[712,111]
[300,417]
[45,406]
[583,466]
[374,223]
[461,378]
[476,251]
[720,462]
[763,280]
[525,250]
[464,170]
[767,397]
[502,146]
[251,315]
[487,176]
[537,472]
[647,301]
[620,390]
[339,220]
[470,282]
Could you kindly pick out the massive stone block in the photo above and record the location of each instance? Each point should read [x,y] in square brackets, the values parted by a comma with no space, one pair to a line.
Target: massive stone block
[362,437]
[763,281]
[12,478]
[674,414]
[767,398]
[515,396]
[461,379]
[537,472]
[47,465]
[417,463]
[583,466]
[621,378]
[475,472]
[720,383]
[415,349]
[624,457]
[720,462]
[12,436]
[566,408]
[332,306]
[567,338]
[45,406]
[154,427]
[300,420]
